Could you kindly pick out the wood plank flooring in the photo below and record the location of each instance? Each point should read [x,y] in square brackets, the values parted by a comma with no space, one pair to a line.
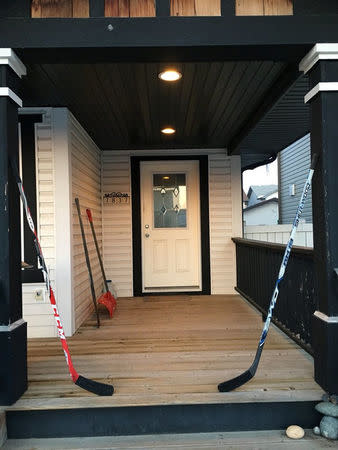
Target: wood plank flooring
[262,440]
[169,350]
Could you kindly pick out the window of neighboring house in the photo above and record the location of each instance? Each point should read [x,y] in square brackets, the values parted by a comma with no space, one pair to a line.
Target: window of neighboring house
[27,155]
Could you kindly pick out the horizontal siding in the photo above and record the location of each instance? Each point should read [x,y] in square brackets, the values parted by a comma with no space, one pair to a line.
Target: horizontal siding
[280,234]
[117,221]
[294,166]
[86,185]
[117,224]
[39,316]
[222,262]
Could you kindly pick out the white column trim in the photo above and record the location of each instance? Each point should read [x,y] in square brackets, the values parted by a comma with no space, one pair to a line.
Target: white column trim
[12,326]
[325,318]
[318,52]
[7,56]
[7,92]
[63,219]
[322,86]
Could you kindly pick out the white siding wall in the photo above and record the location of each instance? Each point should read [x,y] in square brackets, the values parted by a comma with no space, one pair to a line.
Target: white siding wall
[117,224]
[38,314]
[68,166]
[117,219]
[86,185]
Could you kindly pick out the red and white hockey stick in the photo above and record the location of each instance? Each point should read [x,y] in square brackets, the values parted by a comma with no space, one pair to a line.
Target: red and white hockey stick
[85,383]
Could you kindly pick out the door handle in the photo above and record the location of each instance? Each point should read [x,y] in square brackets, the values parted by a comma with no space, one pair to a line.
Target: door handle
[147,235]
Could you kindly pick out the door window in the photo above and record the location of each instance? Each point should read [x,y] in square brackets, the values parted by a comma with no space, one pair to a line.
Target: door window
[170,200]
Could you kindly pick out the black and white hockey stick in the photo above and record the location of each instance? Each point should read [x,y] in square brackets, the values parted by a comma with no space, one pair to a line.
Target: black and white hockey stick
[89,385]
[238,381]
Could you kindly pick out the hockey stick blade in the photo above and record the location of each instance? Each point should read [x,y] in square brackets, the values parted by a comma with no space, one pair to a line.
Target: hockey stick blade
[236,382]
[246,376]
[94,386]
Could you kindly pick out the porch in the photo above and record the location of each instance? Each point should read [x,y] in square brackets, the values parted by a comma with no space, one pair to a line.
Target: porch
[163,354]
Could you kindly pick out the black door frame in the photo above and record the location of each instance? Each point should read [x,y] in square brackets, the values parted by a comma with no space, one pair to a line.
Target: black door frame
[136,221]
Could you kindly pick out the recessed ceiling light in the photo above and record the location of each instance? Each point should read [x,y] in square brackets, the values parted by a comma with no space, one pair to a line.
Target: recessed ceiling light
[168,130]
[170,75]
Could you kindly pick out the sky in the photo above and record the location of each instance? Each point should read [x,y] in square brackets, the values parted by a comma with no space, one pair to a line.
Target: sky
[267,174]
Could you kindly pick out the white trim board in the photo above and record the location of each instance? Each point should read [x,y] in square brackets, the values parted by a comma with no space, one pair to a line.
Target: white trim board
[63,226]
[325,318]
[321,87]
[12,326]
[7,56]
[7,92]
[324,51]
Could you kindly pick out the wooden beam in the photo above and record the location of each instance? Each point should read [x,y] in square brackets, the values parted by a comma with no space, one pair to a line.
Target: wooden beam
[36,11]
[111,8]
[249,7]
[51,8]
[124,8]
[183,8]
[144,8]
[208,7]
[278,7]
[80,8]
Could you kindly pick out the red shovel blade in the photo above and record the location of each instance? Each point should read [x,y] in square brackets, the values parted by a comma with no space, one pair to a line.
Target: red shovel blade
[108,301]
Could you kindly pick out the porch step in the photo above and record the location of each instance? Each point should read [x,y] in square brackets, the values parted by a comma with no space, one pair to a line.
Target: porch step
[264,440]
[159,419]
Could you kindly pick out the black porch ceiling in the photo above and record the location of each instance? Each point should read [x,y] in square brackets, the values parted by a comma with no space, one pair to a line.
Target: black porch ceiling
[125,105]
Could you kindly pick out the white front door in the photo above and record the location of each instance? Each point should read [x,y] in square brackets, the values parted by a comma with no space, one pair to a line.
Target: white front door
[170,226]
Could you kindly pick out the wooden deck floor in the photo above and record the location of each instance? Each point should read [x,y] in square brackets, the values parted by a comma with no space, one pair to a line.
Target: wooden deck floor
[170,350]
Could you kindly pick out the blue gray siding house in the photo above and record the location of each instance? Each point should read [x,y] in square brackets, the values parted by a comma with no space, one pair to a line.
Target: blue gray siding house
[294,163]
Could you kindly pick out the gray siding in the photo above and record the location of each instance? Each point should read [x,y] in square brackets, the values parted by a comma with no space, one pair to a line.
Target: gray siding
[293,169]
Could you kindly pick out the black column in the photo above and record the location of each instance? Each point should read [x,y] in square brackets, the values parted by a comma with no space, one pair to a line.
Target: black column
[323,98]
[13,334]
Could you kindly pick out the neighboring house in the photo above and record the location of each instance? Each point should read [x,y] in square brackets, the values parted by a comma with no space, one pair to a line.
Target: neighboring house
[86,82]
[262,205]
[293,166]
[262,213]
[257,194]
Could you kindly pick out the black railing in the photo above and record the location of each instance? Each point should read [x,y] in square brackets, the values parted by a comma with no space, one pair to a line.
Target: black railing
[257,269]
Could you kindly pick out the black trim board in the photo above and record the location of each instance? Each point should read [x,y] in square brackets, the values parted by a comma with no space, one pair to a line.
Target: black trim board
[138,420]
[162,8]
[230,31]
[136,219]
[96,8]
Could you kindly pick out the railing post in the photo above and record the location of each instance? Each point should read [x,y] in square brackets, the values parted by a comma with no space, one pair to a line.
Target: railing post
[321,64]
[13,331]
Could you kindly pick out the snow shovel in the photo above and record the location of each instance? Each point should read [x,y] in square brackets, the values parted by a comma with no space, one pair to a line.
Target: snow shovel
[107,299]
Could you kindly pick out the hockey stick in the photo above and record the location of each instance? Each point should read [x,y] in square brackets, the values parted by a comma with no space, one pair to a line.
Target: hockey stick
[85,383]
[238,381]
[85,248]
